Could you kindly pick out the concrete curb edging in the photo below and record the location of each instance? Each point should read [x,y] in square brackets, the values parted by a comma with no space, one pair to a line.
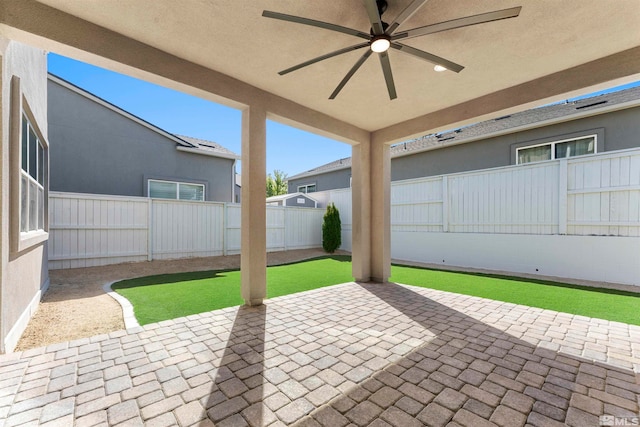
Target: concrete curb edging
[127,309]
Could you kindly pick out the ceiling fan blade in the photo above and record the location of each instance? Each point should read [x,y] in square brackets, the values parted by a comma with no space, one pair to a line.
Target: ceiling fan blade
[428,57]
[459,23]
[374,17]
[350,74]
[388,76]
[323,57]
[406,14]
[314,23]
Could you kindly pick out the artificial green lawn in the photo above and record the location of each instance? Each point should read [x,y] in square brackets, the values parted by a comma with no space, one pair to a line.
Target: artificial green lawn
[606,304]
[168,296]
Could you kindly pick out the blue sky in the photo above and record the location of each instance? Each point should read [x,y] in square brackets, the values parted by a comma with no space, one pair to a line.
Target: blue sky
[288,149]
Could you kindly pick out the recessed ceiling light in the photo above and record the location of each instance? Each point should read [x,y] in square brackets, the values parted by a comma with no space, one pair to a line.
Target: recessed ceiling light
[440,68]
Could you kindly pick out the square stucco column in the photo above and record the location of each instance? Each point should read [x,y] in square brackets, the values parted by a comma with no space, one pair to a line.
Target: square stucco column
[370,192]
[253,259]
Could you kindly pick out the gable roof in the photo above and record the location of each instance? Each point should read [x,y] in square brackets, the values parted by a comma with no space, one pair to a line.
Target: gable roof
[289,196]
[517,122]
[184,143]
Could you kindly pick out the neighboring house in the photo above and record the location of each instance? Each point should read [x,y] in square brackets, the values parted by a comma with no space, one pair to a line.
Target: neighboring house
[606,122]
[24,187]
[300,200]
[103,149]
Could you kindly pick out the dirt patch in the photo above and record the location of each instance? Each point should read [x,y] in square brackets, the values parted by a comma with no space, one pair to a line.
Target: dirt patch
[76,306]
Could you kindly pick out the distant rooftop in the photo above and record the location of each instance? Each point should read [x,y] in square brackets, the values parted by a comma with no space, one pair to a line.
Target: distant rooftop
[205,145]
[536,117]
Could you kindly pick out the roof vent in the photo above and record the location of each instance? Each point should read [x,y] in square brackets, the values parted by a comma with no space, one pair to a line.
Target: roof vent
[591,105]
[502,118]
[458,130]
[446,139]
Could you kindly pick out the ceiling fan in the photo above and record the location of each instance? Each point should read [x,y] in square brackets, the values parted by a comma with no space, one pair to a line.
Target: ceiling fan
[383,36]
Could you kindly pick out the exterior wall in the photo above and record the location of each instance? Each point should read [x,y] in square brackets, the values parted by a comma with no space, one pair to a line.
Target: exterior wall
[615,130]
[99,151]
[293,202]
[23,274]
[325,181]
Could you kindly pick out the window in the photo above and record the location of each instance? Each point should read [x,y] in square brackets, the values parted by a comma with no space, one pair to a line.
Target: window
[32,179]
[309,188]
[28,175]
[557,150]
[175,190]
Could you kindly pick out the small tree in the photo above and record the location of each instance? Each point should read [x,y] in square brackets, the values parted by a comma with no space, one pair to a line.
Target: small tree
[331,229]
[277,184]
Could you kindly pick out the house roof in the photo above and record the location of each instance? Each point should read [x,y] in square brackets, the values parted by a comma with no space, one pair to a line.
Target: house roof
[529,119]
[184,143]
[209,146]
[288,196]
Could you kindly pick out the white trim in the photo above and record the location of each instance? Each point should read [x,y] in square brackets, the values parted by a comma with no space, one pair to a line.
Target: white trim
[16,331]
[553,151]
[208,153]
[306,186]
[128,314]
[204,189]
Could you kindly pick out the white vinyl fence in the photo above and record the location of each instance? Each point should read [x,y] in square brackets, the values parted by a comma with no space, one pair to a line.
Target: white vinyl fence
[576,218]
[88,230]
[573,218]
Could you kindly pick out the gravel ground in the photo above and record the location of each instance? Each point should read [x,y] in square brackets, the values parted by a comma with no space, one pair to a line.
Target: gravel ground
[75,306]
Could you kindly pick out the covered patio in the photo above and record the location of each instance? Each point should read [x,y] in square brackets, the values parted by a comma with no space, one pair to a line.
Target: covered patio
[361,353]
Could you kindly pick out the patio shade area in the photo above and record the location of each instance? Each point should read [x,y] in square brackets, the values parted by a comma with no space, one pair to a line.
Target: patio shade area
[350,353]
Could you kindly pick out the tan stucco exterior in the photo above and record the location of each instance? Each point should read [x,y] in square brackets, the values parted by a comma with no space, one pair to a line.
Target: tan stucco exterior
[24,273]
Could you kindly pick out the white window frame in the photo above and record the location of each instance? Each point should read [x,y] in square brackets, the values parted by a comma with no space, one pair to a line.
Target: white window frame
[23,240]
[306,188]
[204,189]
[553,148]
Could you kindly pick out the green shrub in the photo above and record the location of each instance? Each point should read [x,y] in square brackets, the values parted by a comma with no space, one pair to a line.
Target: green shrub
[331,229]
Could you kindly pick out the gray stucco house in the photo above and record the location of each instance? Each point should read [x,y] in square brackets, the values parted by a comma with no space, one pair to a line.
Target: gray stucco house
[597,124]
[124,155]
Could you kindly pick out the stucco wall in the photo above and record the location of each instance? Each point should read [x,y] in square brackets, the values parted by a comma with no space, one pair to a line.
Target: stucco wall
[293,201]
[23,274]
[99,151]
[615,130]
[325,181]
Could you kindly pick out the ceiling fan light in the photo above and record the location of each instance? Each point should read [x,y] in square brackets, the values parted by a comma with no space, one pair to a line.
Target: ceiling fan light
[380,44]
[440,68]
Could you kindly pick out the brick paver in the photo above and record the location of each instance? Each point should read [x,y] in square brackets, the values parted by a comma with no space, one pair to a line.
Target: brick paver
[352,354]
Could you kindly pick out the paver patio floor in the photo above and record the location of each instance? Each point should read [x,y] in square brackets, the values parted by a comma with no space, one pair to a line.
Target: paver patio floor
[351,354]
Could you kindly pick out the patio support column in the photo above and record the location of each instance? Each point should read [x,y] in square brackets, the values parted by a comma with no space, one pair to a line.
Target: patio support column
[380,212]
[253,259]
[370,192]
[360,213]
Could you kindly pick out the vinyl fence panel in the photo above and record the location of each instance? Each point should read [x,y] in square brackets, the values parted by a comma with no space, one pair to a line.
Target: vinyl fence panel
[604,194]
[86,231]
[187,229]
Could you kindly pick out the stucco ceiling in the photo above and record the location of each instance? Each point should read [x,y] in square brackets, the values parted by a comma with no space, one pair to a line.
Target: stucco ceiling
[231,37]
